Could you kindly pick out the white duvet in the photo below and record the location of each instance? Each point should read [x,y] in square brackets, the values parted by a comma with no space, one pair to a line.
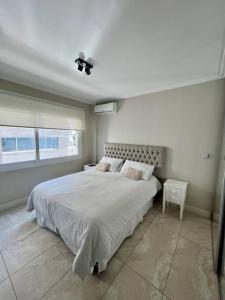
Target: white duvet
[93,212]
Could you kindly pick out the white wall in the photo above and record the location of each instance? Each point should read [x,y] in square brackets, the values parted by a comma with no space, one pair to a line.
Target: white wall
[188,121]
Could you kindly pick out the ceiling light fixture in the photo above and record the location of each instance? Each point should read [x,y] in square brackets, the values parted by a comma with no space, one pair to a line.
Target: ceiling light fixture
[84,64]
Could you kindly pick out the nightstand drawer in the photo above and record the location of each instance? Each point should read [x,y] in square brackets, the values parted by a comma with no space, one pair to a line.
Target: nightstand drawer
[173,195]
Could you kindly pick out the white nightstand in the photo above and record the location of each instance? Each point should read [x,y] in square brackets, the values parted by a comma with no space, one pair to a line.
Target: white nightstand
[89,166]
[175,191]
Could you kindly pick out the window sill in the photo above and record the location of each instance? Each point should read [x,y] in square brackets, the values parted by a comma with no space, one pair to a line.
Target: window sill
[34,163]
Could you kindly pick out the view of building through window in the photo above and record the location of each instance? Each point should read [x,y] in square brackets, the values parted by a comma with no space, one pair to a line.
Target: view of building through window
[18,144]
[57,143]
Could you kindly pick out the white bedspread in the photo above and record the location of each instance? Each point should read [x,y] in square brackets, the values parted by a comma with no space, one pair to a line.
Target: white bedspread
[93,212]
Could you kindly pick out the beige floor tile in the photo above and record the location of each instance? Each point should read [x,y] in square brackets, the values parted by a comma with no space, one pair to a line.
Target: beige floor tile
[170,220]
[12,234]
[6,290]
[197,230]
[191,275]
[34,279]
[152,214]
[3,272]
[112,270]
[128,245]
[14,216]
[25,250]
[129,285]
[152,256]
[71,287]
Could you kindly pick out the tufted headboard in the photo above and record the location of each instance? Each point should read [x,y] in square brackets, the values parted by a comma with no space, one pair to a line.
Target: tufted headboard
[152,155]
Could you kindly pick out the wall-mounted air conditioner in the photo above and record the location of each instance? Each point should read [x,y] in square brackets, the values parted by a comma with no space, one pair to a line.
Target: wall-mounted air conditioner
[107,108]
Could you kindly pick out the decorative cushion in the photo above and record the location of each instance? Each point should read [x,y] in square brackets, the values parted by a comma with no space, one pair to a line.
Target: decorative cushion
[103,166]
[115,163]
[133,173]
[147,170]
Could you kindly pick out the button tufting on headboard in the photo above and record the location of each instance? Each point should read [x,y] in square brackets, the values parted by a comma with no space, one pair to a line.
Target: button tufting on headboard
[152,155]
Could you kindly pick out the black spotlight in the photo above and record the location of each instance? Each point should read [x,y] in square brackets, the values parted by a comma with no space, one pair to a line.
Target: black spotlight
[80,63]
[88,68]
[83,63]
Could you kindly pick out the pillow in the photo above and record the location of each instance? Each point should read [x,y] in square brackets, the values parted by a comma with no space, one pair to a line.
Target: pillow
[147,170]
[115,163]
[103,166]
[133,173]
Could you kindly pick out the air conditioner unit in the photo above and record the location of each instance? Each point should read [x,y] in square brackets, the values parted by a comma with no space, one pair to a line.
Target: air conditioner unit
[107,108]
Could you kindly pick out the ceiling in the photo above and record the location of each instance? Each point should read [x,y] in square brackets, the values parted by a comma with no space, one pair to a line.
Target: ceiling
[138,47]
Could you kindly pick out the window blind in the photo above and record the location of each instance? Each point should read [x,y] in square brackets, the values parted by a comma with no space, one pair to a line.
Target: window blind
[20,111]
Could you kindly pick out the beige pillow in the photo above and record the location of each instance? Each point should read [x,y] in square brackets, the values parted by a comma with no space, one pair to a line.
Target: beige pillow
[103,166]
[133,173]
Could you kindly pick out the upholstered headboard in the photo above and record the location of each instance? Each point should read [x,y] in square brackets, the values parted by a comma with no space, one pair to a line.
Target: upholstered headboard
[152,155]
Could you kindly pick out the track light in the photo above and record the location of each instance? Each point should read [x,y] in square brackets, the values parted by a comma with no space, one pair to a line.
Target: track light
[83,63]
[88,68]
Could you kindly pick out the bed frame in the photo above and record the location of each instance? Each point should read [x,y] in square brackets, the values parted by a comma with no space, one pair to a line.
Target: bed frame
[152,155]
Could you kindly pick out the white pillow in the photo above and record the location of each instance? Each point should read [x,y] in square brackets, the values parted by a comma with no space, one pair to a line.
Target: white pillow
[147,170]
[115,163]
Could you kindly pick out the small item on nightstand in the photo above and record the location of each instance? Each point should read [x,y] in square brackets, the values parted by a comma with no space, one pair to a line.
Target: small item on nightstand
[175,191]
[89,166]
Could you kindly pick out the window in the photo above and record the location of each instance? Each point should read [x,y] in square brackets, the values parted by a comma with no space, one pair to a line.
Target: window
[57,143]
[18,144]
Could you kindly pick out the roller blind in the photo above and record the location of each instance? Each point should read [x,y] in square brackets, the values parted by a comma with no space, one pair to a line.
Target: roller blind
[19,111]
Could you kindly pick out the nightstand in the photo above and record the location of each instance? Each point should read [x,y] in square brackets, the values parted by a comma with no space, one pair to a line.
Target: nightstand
[175,191]
[89,166]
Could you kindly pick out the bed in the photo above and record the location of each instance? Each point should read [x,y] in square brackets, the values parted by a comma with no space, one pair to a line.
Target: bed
[93,211]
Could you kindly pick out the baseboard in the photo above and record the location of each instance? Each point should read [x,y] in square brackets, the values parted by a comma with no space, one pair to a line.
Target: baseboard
[198,211]
[10,204]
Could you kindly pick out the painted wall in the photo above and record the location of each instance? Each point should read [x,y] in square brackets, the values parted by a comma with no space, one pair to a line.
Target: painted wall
[188,121]
[19,183]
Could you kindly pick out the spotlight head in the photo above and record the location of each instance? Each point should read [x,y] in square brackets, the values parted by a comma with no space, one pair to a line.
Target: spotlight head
[87,70]
[80,64]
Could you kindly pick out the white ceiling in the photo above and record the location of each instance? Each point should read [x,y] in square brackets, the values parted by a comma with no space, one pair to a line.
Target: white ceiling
[138,47]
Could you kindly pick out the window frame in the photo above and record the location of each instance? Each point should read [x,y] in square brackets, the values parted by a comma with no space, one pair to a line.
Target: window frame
[45,161]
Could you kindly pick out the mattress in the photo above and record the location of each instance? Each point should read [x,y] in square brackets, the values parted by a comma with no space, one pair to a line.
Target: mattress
[93,212]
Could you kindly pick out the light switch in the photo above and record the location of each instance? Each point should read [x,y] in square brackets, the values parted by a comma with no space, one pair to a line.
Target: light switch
[205,155]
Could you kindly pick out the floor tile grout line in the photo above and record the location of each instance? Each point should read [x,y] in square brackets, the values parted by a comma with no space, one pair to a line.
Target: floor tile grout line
[9,276]
[138,240]
[148,282]
[51,286]
[22,239]
[34,258]
[151,223]
[178,238]
[124,263]
[196,243]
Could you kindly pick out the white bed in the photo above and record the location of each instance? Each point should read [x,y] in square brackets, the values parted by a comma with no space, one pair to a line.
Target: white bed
[93,212]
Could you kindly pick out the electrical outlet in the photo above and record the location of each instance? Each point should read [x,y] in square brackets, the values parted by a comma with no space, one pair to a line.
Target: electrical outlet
[205,155]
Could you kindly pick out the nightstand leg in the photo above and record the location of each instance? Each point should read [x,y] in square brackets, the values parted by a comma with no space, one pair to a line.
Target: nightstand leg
[164,206]
[181,211]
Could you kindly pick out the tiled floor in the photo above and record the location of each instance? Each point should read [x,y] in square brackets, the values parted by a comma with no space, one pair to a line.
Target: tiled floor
[164,259]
